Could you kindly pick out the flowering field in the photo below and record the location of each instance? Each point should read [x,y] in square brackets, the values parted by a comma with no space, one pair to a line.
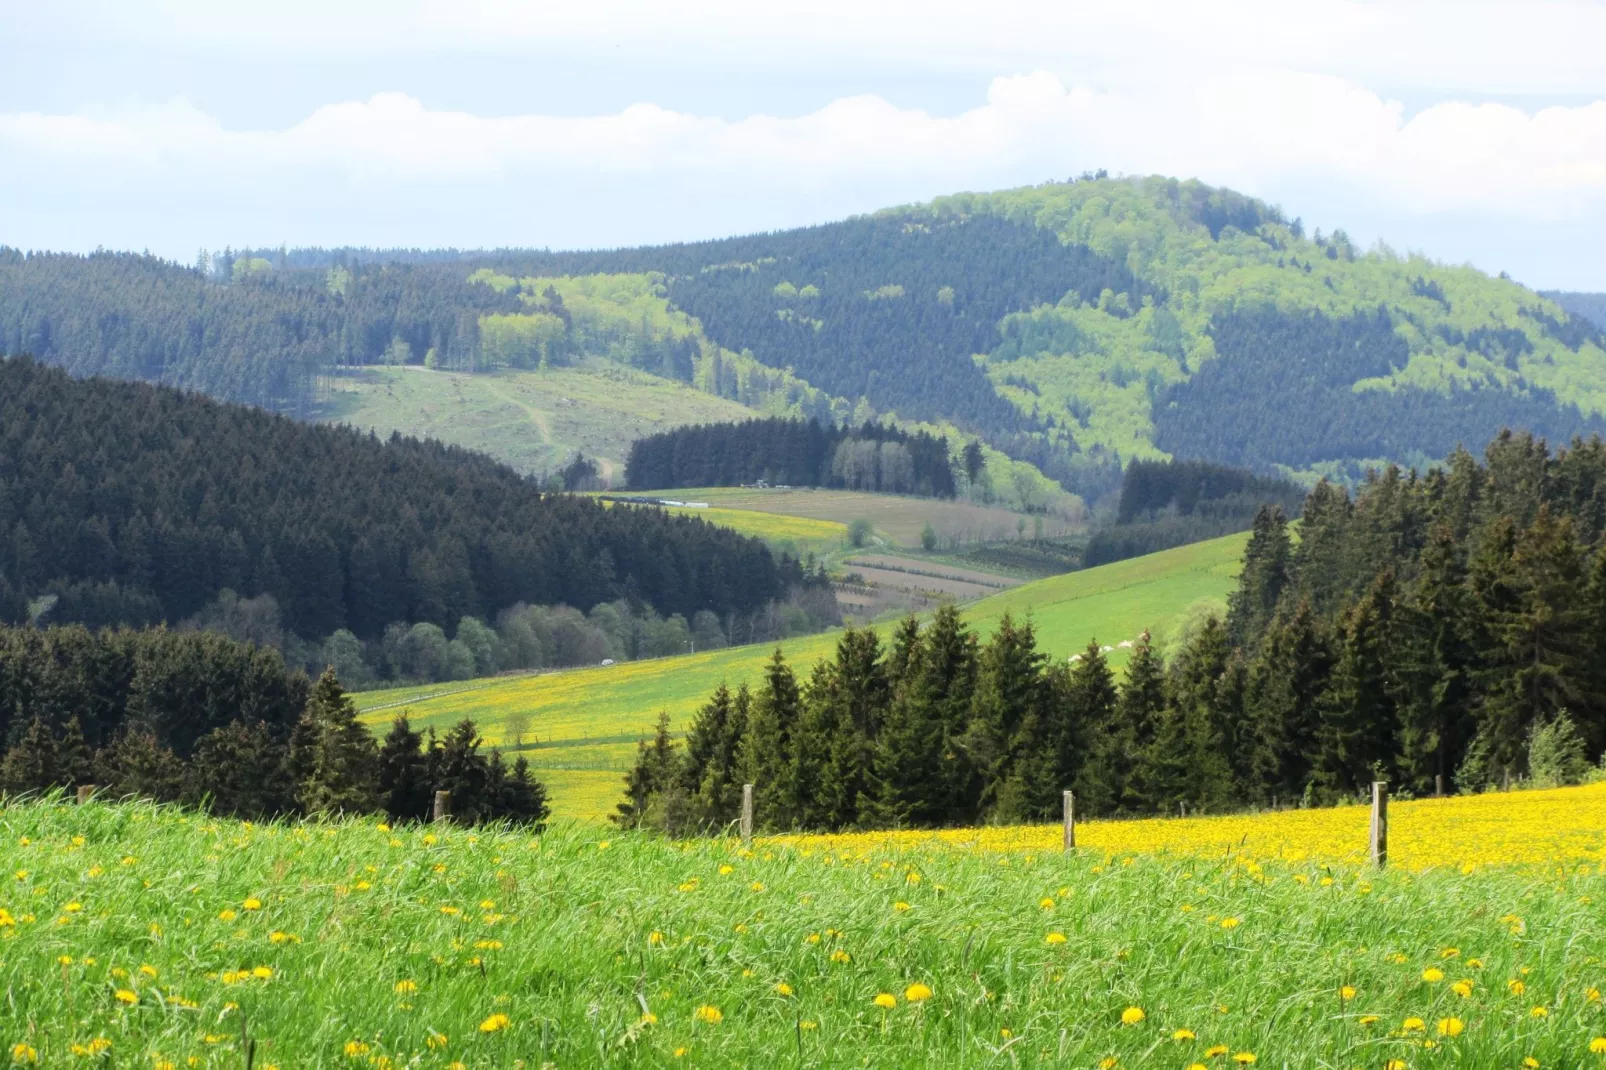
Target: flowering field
[586,721]
[145,936]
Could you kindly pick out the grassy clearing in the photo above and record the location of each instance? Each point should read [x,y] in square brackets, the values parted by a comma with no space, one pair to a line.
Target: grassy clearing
[532,420]
[150,937]
[587,721]
[797,534]
[898,519]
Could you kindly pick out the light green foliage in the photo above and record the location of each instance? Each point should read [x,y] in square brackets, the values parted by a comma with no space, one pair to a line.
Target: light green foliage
[1077,357]
[884,293]
[337,281]
[245,266]
[519,341]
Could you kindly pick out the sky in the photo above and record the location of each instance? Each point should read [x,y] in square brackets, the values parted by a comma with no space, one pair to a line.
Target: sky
[1470,131]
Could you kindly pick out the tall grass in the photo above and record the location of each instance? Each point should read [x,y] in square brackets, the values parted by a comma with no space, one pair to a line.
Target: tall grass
[169,937]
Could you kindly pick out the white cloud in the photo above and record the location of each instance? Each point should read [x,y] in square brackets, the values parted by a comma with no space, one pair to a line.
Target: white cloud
[389,170]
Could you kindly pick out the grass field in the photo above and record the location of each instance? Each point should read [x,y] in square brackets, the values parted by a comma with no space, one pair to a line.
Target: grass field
[532,420]
[799,534]
[587,721]
[133,935]
[899,519]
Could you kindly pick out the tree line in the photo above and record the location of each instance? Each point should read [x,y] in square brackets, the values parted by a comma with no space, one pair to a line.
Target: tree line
[1444,631]
[127,503]
[874,457]
[201,719]
[1173,503]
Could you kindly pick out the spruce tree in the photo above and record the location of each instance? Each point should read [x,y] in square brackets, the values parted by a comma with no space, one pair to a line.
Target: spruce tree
[135,765]
[1137,724]
[906,773]
[1436,662]
[456,765]
[74,762]
[709,769]
[764,758]
[1286,681]
[1090,749]
[523,798]
[1357,737]
[335,754]
[404,787]
[653,784]
[1195,758]
[1008,688]
[948,681]
[1262,579]
[33,763]
[241,770]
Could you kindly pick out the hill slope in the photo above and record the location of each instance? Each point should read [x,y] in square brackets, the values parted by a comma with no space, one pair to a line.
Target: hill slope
[136,504]
[585,722]
[1075,325]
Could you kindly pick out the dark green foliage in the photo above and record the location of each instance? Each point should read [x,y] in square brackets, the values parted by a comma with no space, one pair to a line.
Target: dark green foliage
[654,782]
[1173,503]
[1262,579]
[874,457]
[712,749]
[342,530]
[135,764]
[765,755]
[404,785]
[1280,392]
[33,762]
[241,770]
[334,757]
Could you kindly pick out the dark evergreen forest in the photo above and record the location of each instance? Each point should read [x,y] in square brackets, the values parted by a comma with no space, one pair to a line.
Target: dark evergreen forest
[135,504]
[799,453]
[1173,503]
[1280,392]
[1442,632]
[204,720]
[1588,306]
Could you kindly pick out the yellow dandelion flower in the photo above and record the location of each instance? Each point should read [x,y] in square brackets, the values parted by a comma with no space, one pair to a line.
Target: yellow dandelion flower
[1215,1050]
[756,886]
[1413,1025]
[1244,1058]
[1132,1016]
[252,904]
[917,993]
[1347,992]
[127,997]
[1462,988]
[840,956]
[1109,1062]
[1516,987]
[1396,1064]
[1054,938]
[901,906]
[726,870]
[1184,1034]
[783,989]
[655,939]
[1592,996]
[226,915]
[1539,1012]
[1230,923]
[23,1053]
[262,973]
[885,1000]
[1432,975]
[1197,1066]
[1598,1046]
[1046,903]
[680,1052]
[1530,1062]
[1368,1019]
[708,1014]
[495,1023]
[356,1049]
[1451,1027]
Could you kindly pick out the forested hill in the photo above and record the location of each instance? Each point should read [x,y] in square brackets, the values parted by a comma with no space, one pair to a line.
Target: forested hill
[1078,325]
[135,504]
[1587,306]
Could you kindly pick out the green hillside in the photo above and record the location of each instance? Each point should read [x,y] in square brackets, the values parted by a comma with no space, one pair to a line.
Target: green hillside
[584,723]
[533,420]
[1073,325]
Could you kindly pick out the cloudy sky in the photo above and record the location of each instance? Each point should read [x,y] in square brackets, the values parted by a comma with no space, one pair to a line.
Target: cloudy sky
[1471,131]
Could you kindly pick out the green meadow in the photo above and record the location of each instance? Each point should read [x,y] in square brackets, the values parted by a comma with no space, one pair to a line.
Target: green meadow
[584,723]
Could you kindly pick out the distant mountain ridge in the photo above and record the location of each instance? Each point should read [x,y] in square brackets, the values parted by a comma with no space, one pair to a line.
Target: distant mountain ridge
[1076,325]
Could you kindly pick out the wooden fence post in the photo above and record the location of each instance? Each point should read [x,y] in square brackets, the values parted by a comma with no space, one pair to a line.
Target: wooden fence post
[443,806]
[85,793]
[1438,785]
[1069,799]
[1380,824]
[747,815]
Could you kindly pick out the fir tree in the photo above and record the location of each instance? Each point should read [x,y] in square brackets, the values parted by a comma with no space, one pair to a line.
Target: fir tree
[653,783]
[74,762]
[404,786]
[1285,685]
[1089,745]
[1435,663]
[241,770]
[764,757]
[33,763]
[135,765]
[907,764]
[1357,737]
[712,747]
[1262,579]
[1008,688]
[334,754]
[1137,724]
[457,766]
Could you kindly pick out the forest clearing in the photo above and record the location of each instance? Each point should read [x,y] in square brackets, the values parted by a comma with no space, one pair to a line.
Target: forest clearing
[146,935]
